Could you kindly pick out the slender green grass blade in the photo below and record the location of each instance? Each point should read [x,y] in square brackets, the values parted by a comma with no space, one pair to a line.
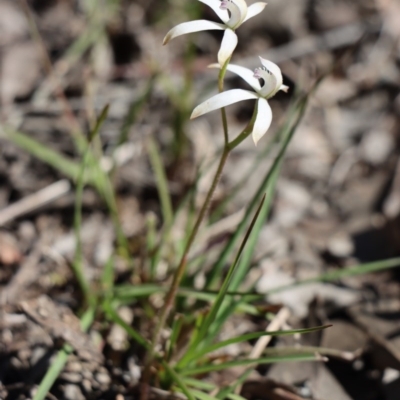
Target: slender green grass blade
[175,331]
[134,110]
[217,213]
[113,315]
[123,292]
[222,293]
[269,183]
[99,122]
[361,269]
[199,384]
[252,336]
[234,396]
[229,307]
[53,373]
[186,203]
[129,293]
[320,351]
[77,264]
[178,381]
[290,126]
[201,395]
[162,181]
[305,356]
[61,359]
[51,157]
[107,279]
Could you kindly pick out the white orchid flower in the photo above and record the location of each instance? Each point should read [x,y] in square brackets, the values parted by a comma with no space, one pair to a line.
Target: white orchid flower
[266,82]
[231,12]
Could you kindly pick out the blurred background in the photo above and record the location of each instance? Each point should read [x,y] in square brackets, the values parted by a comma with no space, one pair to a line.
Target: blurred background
[337,201]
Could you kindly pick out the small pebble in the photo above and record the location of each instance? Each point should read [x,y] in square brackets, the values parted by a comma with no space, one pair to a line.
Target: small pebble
[87,374]
[73,392]
[87,385]
[341,245]
[103,378]
[16,363]
[376,147]
[72,377]
[37,354]
[74,366]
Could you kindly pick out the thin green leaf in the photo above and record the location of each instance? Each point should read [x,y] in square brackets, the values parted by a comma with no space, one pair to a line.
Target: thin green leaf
[134,109]
[128,293]
[201,395]
[107,278]
[77,263]
[113,315]
[222,294]
[175,332]
[53,158]
[99,122]
[289,128]
[199,384]
[269,184]
[246,362]
[219,210]
[59,362]
[234,396]
[320,351]
[343,273]
[178,380]
[162,182]
[229,307]
[251,336]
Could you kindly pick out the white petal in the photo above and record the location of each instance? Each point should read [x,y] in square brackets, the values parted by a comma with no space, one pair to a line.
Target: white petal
[242,5]
[263,120]
[228,45]
[245,73]
[192,26]
[274,69]
[222,100]
[215,5]
[254,10]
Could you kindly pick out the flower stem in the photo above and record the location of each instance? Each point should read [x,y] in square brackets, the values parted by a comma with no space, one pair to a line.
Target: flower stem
[246,131]
[178,275]
[221,77]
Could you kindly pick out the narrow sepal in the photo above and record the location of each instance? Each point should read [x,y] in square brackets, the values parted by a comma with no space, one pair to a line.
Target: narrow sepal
[222,100]
[215,5]
[228,45]
[263,120]
[254,10]
[190,27]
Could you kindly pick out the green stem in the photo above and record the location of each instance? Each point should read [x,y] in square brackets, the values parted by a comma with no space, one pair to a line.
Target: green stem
[161,180]
[178,275]
[221,77]
[180,271]
[245,133]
